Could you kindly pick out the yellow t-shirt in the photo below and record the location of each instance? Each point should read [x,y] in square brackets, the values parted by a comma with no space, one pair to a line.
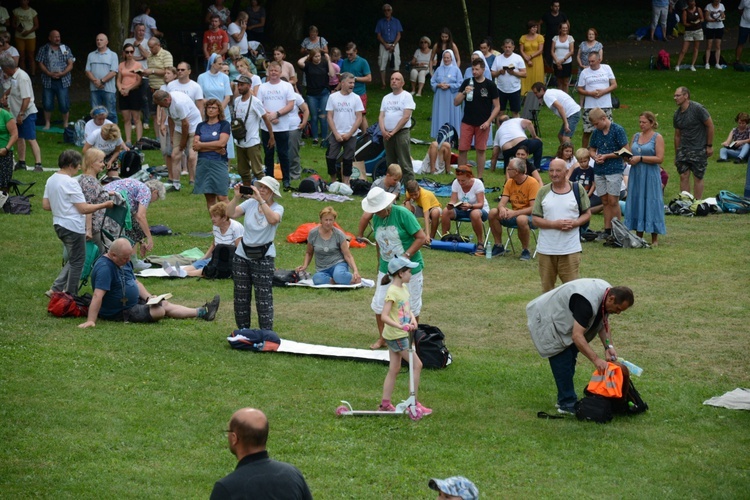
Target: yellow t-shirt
[400,311]
[25,18]
[427,200]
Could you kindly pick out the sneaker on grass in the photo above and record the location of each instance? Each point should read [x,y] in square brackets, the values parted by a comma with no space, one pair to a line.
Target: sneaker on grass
[498,250]
[568,410]
[525,255]
[424,409]
[386,407]
[211,308]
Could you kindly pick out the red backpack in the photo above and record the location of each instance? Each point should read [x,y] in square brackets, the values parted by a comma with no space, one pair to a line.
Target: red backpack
[662,60]
[63,304]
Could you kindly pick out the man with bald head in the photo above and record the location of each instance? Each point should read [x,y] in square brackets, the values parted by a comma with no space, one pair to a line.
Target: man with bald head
[101,70]
[55,62]
[395,122]
[256,475]
[118,296]
[558,213]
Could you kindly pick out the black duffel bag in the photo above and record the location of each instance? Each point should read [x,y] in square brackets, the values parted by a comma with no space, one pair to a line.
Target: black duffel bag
[429,342]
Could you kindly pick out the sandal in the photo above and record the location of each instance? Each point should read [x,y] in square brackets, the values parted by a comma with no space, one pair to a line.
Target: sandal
[480,250]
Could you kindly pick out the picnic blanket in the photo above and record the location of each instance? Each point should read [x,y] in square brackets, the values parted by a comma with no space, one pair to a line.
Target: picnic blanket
[365,283]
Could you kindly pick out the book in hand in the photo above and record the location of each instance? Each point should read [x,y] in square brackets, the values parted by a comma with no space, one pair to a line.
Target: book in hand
[733,145]
[156,300]
[624,153]
[458,205]
[509,67]
[139,70]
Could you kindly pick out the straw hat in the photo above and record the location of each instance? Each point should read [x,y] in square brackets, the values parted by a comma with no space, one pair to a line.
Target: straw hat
[377,200]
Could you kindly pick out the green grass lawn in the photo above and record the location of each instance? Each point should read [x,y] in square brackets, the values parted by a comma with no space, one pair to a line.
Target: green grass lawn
[137,411]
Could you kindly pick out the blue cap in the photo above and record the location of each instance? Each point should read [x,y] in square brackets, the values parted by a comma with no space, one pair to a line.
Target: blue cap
[398,262]
[457,486]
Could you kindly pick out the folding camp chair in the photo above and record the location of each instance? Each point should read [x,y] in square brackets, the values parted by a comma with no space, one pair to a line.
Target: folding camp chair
[114,224]
[530,111]
[485,228]
[16,186]
[509,241]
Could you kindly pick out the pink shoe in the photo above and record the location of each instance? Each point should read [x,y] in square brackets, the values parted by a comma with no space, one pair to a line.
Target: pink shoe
[388,407]
[424,409]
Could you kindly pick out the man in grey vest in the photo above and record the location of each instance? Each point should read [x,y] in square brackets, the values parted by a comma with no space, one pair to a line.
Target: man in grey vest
[563,321]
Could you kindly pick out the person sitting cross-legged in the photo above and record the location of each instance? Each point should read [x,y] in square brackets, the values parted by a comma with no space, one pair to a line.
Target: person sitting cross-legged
[226,231]
[467,203]
[520,189]
[119,296]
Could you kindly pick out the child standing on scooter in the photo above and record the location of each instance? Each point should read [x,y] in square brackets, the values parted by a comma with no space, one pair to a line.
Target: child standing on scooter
[399,321]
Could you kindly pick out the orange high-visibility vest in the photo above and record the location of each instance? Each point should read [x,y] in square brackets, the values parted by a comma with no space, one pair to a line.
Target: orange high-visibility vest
[608,384]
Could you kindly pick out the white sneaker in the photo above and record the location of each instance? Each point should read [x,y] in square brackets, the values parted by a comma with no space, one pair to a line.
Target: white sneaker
[677,68]
[719,66]
[708,66]
[692,68]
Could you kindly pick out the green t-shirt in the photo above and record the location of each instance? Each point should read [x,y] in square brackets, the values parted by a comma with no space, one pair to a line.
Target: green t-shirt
[5,117]
[395,234]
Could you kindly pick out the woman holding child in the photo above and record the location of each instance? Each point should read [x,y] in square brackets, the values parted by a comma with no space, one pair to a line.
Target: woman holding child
[333,260]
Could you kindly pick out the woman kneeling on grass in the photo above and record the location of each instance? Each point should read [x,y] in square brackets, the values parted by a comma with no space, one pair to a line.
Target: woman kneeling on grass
[398,321]
[226,232]
[333,259]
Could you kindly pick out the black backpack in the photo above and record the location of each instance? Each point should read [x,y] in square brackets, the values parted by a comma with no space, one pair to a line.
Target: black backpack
[313,184]
[360,187]
[18,205]
[220,266]
[430,346]
[600,409]
[130,163]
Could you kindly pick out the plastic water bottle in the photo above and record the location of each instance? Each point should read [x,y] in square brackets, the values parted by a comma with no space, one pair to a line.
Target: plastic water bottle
[488,252]
[634,369]
[470,94]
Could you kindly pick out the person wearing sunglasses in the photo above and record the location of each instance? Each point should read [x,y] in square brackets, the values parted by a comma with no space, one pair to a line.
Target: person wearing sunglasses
[129,92]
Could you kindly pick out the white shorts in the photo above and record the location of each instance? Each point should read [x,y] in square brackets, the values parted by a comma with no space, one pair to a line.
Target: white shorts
[384,56]
[418,212]
[415,294]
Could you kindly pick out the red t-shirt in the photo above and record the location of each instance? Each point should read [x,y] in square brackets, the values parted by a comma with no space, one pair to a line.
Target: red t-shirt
[215,40]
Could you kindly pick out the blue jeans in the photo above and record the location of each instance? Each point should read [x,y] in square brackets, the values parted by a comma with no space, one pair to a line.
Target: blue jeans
[747,181]
[317,105]
[63,97]
[106,99]
[282,146]
[731,154]
[340,274]
[563,367]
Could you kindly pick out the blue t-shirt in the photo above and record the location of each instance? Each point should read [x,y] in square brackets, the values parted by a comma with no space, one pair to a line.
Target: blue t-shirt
[210,133]
[606,144]
[585,177]
[117,282]
[359,67]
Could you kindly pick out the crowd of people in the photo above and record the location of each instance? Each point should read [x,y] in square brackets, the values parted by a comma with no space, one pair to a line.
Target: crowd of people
[229,113]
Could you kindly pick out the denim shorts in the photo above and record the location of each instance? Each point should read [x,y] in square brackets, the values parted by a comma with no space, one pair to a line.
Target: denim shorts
[398,345]
[466,214]
[572,124]
[62,94]
[27,130]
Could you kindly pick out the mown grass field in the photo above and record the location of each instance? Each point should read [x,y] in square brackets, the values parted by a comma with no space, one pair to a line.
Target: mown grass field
[137,411]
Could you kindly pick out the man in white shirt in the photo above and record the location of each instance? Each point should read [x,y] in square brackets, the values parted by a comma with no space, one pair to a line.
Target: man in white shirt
[250,110]
[511,135]
[184,117]
[744,29]
[345,111]
[596,83]
[20,98]
[237,32]
[507,69]
[187,86]
[563,106]
[395,121]
[278,98]
[559,214]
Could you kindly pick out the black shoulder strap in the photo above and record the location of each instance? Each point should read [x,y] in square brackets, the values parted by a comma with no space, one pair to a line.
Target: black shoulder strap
[576,192]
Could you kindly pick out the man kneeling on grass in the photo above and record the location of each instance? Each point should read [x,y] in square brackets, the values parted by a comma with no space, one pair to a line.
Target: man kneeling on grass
[118,296]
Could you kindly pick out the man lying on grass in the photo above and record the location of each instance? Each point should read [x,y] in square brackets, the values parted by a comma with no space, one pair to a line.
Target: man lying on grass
[118,296]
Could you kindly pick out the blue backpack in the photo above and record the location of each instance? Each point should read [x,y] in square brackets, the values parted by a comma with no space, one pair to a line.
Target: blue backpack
[731,203]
